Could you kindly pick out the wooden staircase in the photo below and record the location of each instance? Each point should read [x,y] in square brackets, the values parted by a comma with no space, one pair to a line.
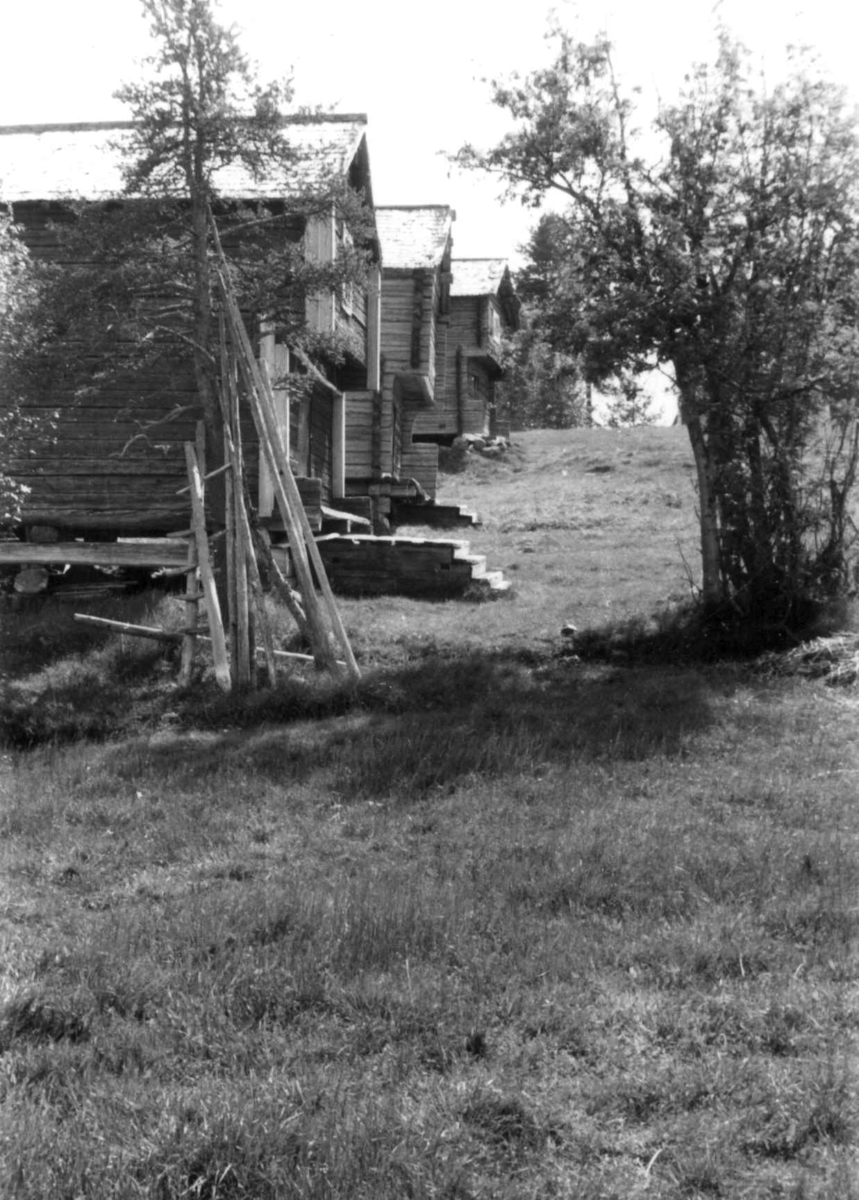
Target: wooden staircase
[363,565]
[437,516]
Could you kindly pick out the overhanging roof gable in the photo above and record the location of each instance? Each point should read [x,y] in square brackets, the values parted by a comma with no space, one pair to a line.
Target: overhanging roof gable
[414,236]
[477,276]
[83,161]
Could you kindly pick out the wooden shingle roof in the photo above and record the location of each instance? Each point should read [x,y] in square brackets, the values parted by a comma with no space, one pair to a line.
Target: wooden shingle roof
[53,162]
[477,276]
[414,236]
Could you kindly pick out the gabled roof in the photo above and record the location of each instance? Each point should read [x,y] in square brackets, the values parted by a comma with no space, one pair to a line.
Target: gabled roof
[477,276]
[415,235]
[54,162]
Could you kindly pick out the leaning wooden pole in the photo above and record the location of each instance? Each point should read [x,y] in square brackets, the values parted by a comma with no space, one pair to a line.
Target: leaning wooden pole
[239,617]
[316,631]
[244,629]
[301,537]
[267,404]
[207,578]
[289,501]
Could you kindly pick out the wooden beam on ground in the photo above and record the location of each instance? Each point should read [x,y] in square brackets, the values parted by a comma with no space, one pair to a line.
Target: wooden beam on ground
[144,631]
[172,636]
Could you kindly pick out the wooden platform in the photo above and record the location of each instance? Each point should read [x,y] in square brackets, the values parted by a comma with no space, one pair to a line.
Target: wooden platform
[357,564]
[145,552]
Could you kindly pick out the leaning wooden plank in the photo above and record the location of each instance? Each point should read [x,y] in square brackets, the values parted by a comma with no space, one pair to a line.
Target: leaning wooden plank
[229,401]
[207,578]
[230,556]
[281,475]
[265,403]
[235,449]
[292,510]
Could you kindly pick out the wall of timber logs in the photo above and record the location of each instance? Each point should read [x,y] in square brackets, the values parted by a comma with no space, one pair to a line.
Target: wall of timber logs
[106,455]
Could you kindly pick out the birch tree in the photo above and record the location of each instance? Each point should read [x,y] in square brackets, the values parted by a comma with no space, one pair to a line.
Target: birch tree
[730,262]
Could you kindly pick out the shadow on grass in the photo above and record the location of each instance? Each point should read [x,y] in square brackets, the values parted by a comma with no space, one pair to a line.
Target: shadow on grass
[36,640]
[63,681]
[432,725]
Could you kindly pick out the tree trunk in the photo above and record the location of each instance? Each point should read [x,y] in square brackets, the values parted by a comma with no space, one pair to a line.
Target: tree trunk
[712,586]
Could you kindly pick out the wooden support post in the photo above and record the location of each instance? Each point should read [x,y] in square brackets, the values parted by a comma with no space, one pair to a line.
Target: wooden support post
[192,608]
[207,578]
[374,326]
[338,448]
[461,383]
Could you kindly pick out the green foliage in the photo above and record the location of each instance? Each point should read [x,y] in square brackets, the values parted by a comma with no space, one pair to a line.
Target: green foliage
[203,109]
[731,261]
[542,388]
[627,403]
[19,295]
[140,302]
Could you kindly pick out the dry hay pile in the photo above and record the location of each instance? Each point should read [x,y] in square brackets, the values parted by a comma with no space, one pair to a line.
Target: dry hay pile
[834,659]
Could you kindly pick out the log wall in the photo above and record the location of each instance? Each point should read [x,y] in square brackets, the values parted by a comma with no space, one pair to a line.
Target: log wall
[467,363]
[113,459]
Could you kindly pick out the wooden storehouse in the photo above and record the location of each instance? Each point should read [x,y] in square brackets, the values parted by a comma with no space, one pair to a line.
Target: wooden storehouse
[482,307]
[381,456]
[114,462]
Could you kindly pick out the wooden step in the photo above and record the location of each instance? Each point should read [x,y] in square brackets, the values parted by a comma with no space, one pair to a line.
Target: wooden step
[360,564]
[438,516]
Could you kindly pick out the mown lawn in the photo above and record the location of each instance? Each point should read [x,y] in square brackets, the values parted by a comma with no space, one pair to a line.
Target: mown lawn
[499,922]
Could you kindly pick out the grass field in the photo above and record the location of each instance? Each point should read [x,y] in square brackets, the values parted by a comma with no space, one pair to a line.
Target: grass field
[500,922]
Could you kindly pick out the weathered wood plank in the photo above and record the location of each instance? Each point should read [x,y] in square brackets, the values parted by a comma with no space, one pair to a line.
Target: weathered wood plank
[103,554]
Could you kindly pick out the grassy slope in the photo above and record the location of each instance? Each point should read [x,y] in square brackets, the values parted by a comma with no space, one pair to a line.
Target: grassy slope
[499,925]
[588,525]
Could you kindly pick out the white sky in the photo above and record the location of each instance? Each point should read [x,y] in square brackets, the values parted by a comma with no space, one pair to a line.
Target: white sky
[416,69]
